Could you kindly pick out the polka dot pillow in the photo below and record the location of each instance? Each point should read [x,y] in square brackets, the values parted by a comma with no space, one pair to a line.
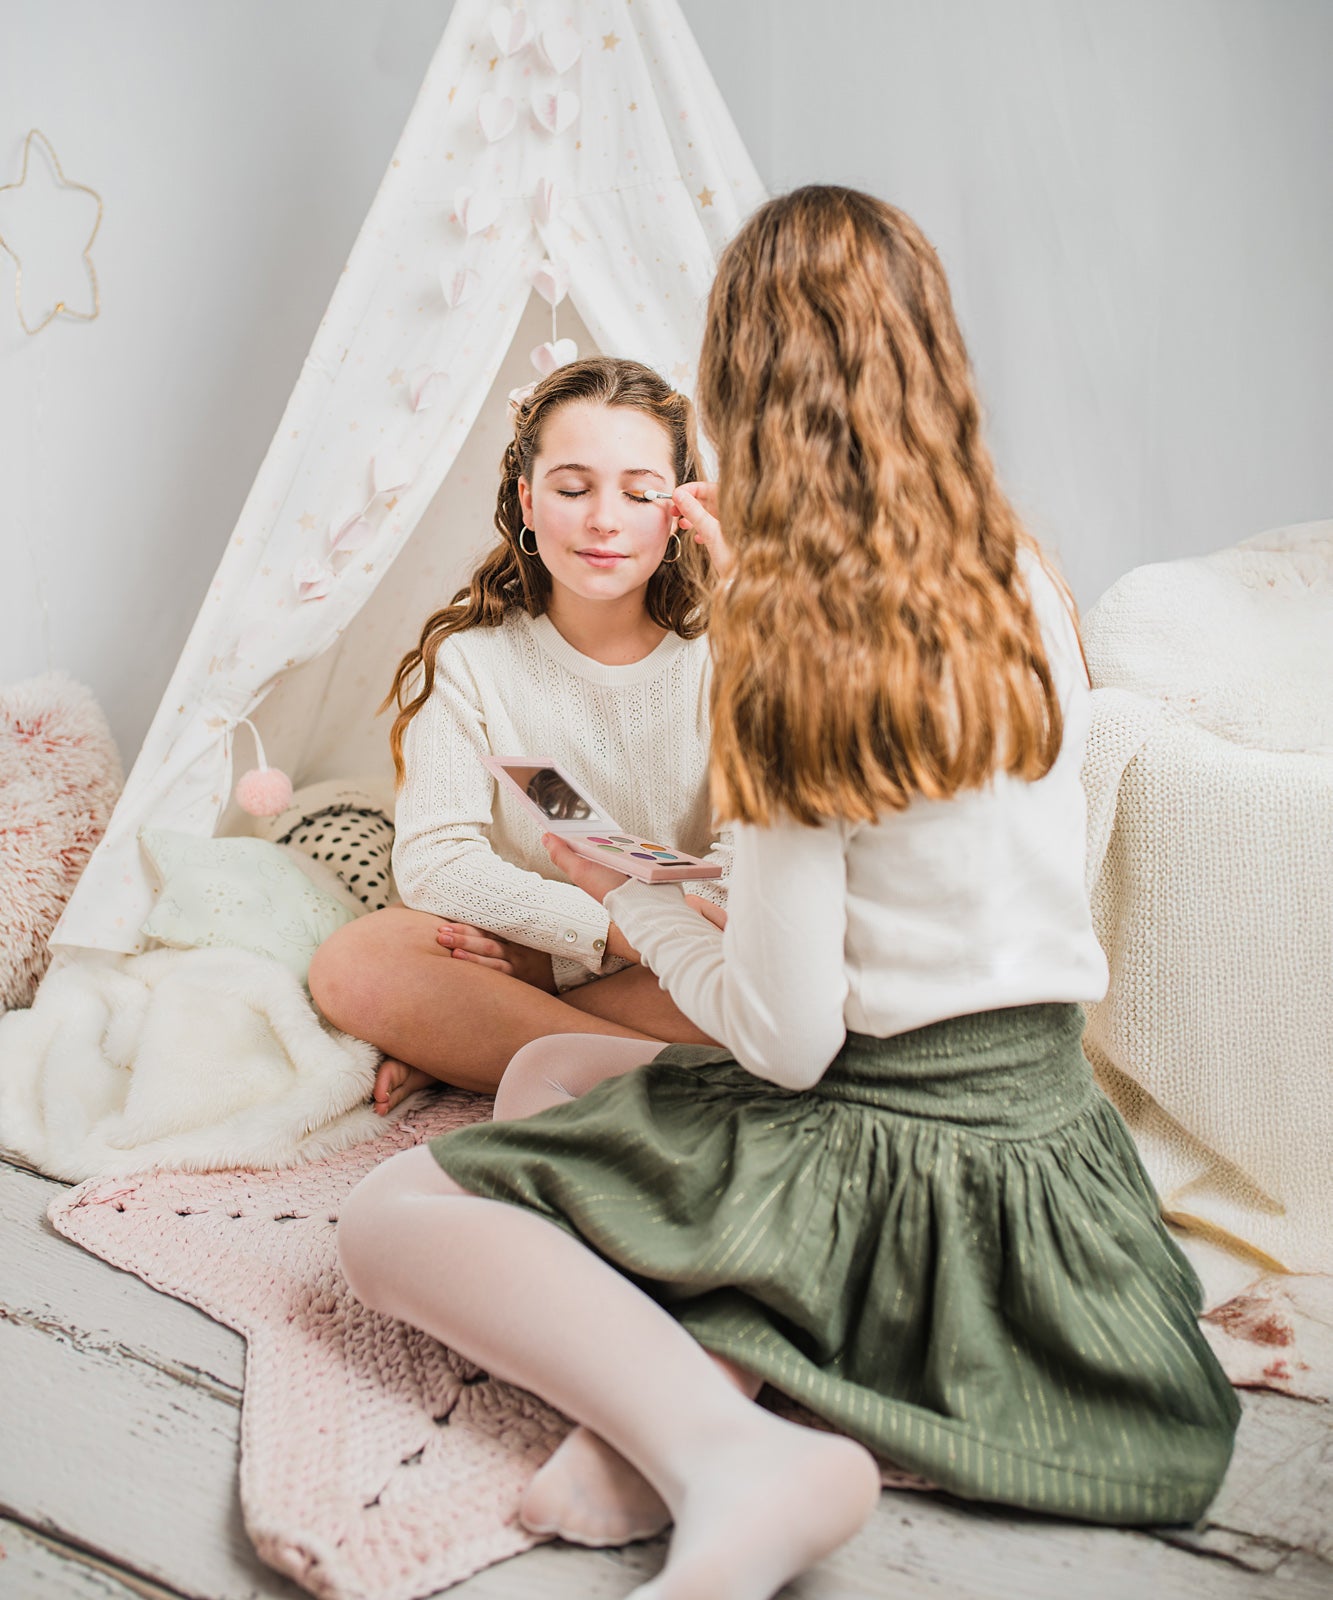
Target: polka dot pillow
[346,828]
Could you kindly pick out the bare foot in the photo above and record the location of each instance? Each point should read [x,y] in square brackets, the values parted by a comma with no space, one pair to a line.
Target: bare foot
[762,1509]
[394,1081]
[589,1494]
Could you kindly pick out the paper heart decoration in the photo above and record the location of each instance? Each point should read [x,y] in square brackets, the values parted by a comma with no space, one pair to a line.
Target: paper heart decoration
[476,212]
[389,474]
[247,648]
[511,30]
[458,287]
[555,112]
[429,387]
[551,281]
[496,115]
[312,580]
[545,202]
[349,534]
[561,46]
[547,357]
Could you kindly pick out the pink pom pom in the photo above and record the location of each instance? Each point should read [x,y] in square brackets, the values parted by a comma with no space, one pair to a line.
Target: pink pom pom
[264,791]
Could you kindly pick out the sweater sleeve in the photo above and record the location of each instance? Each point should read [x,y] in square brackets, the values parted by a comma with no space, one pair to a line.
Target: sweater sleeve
[718,854]
[442,856]
[773,985]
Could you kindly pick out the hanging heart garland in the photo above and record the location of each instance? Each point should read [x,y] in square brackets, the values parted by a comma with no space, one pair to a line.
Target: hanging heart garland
[313,580]
[428,388]
[347,534]
[545,202]
[458,286]
[476,211]
[557,353]
[561,46]
[551,281]
[555,112]
[389,474]
[496,115]
[511,30]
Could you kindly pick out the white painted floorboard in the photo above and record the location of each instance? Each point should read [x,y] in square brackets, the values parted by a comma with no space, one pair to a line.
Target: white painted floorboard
[120,1414]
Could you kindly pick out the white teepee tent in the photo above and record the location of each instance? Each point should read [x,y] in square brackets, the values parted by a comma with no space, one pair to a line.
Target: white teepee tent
[585,139]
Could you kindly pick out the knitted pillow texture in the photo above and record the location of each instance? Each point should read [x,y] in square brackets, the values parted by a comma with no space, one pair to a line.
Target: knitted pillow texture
[1239,642]
[59,778]
[243,893]
[346,824]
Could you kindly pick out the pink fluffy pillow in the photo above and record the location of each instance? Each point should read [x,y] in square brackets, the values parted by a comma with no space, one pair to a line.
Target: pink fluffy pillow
[59,778]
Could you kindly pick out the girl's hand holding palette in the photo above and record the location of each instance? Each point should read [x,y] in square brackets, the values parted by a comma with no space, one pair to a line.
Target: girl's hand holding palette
[561,807]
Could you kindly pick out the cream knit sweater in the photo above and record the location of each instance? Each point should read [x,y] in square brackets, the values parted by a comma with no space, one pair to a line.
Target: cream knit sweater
[636,737]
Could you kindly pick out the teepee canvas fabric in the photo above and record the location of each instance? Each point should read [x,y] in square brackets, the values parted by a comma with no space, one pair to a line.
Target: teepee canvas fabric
[583,145]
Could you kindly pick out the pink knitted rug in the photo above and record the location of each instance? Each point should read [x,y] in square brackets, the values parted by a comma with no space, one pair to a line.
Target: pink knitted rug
[374,1461]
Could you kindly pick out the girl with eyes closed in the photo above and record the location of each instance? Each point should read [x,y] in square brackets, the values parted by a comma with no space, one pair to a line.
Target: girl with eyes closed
[579,637]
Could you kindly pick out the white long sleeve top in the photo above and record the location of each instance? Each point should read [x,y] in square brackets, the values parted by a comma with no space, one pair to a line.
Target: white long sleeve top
[635,736]
[947,908]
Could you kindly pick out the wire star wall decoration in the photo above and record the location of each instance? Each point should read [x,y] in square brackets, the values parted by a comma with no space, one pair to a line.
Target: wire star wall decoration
[60,309]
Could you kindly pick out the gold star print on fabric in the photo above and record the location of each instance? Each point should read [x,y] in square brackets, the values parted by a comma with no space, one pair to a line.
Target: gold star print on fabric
[396,376]
[306,521]
[706,196]
[609,41]
[31,201]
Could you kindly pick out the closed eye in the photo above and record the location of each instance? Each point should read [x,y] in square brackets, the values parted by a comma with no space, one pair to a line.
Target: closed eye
[571,494]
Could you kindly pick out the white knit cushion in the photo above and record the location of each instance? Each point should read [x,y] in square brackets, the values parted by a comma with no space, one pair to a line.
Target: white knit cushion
[59,778]
[1209,772]
[1240,642]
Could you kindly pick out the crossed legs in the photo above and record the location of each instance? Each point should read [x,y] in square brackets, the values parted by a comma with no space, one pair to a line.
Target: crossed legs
[385,979]
[755,1500]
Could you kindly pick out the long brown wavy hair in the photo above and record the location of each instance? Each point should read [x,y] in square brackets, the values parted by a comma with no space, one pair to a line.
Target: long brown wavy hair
[876,640]
[508,578]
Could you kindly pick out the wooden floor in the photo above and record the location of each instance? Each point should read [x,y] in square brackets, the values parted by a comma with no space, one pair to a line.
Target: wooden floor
[119,1420]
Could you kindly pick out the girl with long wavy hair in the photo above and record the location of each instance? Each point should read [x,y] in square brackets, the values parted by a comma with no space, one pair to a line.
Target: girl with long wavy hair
[579,636]
[894,1193]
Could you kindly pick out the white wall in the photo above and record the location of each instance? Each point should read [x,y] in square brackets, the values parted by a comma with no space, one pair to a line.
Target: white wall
[1134,200]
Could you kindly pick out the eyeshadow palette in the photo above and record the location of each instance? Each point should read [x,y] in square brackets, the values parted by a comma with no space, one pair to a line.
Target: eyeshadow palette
[562,807]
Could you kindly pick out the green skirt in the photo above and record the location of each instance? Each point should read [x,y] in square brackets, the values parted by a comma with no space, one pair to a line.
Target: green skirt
[947,1249]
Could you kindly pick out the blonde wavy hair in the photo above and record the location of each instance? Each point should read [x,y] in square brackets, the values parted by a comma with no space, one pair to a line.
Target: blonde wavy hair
[876,640]
[508,578]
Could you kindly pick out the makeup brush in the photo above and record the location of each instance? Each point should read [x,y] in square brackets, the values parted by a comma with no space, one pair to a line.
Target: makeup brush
[650,494]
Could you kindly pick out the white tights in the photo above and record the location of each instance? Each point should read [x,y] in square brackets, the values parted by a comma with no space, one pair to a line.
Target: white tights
[755,1500]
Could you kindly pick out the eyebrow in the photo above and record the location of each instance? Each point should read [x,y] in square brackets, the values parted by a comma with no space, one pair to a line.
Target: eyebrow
[629,472]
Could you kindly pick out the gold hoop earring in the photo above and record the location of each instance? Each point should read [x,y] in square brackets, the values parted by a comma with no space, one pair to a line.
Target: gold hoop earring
[668,561]
[526,530]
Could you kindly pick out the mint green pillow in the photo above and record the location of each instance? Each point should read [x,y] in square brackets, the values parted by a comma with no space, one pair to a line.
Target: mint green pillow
[243,893]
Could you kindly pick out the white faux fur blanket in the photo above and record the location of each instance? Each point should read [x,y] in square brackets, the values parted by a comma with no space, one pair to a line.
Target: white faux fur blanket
[191,1059]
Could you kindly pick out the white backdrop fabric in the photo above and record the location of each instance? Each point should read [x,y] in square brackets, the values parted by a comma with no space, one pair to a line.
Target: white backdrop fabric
[376,472]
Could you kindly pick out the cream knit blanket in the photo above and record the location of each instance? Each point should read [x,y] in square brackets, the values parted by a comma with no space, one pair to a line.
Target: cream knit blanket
[1209,774]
